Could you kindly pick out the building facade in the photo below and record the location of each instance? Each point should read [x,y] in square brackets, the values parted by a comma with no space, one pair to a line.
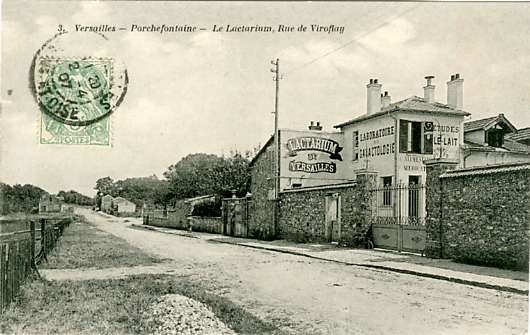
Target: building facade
[122,205]
[106,203]
[305,186]
[493,141]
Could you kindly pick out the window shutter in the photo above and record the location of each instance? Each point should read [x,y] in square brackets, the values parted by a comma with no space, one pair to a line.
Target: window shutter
[355,145]
[428,138]
[403,135]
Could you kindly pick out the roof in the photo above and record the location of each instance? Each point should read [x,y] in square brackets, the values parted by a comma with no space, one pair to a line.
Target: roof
[487,123]
[262,150]
[487,169]
[412,104]
[200,200]
[521,134]
[515,146]
[121,199]
[508,146]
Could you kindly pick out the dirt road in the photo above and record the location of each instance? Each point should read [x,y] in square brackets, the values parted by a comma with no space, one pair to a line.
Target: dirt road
[308,296]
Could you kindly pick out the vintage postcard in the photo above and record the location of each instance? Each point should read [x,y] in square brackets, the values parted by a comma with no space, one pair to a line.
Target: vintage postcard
[300,137]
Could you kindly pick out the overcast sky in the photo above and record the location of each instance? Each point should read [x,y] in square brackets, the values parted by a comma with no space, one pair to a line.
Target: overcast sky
[213,92]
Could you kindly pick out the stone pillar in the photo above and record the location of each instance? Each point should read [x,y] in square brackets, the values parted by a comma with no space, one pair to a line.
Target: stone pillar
[366,183]
[433,205]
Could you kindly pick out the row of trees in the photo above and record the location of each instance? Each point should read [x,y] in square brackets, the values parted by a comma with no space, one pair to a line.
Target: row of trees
[75,198]
[149,190]
[194,175]
[20,198]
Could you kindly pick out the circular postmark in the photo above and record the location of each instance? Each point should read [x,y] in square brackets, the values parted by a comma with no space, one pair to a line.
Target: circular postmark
[78,81]
[76,92]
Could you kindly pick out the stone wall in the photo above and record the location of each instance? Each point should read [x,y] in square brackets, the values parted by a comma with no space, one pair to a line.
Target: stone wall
[213,225]
[261,209]
[303,213]
[433,194]
[483,215]
[174,218]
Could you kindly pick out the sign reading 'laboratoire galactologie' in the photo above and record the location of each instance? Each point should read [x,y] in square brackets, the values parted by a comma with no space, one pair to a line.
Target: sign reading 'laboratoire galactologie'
[313,143]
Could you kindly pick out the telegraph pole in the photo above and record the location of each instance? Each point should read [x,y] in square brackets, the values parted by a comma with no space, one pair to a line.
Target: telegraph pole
[277,78]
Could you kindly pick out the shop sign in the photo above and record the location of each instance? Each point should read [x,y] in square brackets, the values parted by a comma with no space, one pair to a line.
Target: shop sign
[311,143]
[295,166]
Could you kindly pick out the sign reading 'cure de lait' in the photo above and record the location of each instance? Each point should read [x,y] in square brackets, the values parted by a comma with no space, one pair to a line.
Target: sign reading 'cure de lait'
[312,143]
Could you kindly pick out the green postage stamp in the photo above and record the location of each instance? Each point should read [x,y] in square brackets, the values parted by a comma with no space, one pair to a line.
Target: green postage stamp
[75,100]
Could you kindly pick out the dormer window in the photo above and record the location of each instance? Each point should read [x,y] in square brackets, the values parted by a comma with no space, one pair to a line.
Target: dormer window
[495,137]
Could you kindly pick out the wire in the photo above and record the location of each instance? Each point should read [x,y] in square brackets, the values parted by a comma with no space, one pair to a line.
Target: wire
[355,39]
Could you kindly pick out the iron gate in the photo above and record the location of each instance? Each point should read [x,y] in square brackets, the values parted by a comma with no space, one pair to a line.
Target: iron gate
[399,219]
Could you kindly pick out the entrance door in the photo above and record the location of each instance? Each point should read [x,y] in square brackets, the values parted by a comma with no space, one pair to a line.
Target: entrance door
[333,218]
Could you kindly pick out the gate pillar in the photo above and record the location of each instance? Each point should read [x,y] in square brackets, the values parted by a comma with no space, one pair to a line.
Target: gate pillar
[433,205]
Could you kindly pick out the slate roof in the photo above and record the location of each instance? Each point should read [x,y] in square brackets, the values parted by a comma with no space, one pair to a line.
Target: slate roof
[414,104]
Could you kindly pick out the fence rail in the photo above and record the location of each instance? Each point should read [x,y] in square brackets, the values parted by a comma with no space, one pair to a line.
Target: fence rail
[22,247]
[401,204]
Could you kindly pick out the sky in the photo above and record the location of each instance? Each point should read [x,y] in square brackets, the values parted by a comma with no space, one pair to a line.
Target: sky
[213,92]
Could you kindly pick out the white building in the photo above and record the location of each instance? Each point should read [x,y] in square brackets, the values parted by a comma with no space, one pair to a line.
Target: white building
[494,140]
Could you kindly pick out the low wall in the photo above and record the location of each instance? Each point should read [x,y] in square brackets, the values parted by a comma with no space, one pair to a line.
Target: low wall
[204,224]
[484,215]
[303,213]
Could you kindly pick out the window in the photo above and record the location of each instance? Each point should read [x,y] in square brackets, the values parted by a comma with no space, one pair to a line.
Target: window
[414,196]
[355,155]
[495,137]
[387,191]
[415,137]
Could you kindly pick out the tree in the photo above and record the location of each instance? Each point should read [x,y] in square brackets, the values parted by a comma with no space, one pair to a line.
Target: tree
[105,185]
[76,198]
[20,199]
[203,174]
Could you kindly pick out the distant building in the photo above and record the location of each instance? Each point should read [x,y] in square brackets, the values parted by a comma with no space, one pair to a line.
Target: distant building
[494,140]
[106,203]
[50,204]
[67,208]
[122,205]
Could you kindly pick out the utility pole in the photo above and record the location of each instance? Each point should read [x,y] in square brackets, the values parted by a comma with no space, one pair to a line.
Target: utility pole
[276,78]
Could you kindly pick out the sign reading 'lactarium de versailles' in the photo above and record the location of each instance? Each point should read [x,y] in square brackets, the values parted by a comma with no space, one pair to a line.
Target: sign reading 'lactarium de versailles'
[313,143]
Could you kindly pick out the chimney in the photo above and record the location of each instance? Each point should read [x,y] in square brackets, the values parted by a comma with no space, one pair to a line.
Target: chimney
[385,100]
[313,127]
[455,92]
[374,97]
[428,91]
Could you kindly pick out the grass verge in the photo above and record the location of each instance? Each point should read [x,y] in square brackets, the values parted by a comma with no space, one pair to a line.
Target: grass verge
[112,307]
[115,306]
[83,245]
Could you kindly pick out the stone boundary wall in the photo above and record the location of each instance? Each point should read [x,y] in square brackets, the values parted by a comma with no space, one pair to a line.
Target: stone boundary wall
[303,213]
[261,208]
[204,224]
[483,215]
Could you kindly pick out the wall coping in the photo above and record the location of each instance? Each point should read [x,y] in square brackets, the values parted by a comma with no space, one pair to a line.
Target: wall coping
[437,161]
[487,169]
[320,187]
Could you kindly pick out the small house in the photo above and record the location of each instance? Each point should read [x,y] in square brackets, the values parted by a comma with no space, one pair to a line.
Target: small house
[123,206]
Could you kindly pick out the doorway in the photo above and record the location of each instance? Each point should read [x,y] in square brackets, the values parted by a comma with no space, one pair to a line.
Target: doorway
[333,217]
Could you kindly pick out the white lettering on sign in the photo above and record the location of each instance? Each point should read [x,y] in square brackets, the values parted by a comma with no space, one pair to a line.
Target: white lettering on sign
[378,150]
[313,144]
[371,135]
[295,166]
